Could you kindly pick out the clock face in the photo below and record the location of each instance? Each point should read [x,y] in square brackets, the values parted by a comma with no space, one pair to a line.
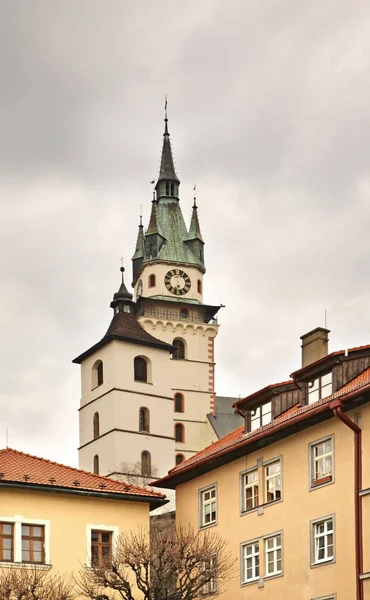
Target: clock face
[177,282]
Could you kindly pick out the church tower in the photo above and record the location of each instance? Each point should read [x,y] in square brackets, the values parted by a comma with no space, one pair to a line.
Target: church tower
[148,385]
[168,277]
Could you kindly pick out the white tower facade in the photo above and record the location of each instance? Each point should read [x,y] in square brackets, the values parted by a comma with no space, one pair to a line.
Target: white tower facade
[148,387]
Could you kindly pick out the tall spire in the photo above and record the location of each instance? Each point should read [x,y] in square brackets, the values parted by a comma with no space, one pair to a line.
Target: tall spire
[167,169]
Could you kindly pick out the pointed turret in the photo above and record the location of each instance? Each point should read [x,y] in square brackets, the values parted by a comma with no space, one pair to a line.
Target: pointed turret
[122,300]
[168,182]
[194,239]
[139,254]
[154,237]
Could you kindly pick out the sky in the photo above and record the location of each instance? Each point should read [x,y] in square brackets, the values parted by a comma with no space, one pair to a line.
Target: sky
[269,116]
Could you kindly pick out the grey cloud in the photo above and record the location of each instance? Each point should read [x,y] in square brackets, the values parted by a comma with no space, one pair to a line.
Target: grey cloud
[268,106]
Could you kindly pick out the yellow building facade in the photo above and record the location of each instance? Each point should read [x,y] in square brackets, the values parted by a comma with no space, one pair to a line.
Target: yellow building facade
[57,517]
[291,491]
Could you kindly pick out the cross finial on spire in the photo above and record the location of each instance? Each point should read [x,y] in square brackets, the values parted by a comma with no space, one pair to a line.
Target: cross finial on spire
[165,116]
[122,269]
[195,196]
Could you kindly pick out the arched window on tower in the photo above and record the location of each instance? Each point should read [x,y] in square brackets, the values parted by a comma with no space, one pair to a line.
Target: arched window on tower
[140,369]
[172,189]
[144,419]
[151,280]
[97,374]
[146,464]
[179,352]
[96,425]
[96,464]
[179,403]
[179,432]
[167,189]
[179,458]
[199,286]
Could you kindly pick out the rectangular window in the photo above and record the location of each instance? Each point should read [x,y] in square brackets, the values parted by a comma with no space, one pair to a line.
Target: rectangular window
[321,462]
[210,566]
[322,540]
[261,415]
[101,547]
[33,540]
[208,506]
[273,555]
[273,481]
[250,490]
[251,562]
[320,388]
[6,542]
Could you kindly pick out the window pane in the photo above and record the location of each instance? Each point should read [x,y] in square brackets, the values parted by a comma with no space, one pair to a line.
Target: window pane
[7,543]
[94,536]
[7,528]
[7,555]
[37,532]
[105,537]
[37,557]
[25,530]
[25,556]
[25,544]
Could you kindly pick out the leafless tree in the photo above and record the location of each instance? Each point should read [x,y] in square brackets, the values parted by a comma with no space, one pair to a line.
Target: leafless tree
[168,564]
[132,473]
[34,584]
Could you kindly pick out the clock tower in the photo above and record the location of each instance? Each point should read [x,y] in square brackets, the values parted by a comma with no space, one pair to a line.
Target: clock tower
[168,272]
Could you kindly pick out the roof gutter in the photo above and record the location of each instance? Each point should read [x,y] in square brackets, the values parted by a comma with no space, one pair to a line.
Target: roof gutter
[337,409]
[39,487]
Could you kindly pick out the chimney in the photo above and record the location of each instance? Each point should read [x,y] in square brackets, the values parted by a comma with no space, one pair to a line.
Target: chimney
[314,345]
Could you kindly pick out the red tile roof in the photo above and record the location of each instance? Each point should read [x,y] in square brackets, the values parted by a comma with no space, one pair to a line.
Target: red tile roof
[238,438]
[18,467]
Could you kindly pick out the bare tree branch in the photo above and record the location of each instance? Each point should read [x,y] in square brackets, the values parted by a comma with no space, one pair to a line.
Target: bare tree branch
[165,563]
[26,583]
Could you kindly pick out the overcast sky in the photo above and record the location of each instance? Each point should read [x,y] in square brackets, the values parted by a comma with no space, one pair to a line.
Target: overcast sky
[269,116]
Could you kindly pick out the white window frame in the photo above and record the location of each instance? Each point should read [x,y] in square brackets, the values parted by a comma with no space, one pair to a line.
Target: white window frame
[313,459]
[272,477]
[203,503]
[212,586]
[321,387]
[113,529]
[245,486]
[245,557]
[274,550]
[314,536]
[17,521]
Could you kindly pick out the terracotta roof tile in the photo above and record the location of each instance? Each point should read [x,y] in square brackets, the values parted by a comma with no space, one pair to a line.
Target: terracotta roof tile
[16,466]
[238,437]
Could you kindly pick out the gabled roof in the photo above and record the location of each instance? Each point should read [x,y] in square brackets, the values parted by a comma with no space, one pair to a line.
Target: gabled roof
[235,443]
[18,469]
[125,327]
[266,392]
[300,373]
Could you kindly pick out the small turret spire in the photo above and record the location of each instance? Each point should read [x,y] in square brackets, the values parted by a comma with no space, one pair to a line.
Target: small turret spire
[168,183]
[122,300]
[165,116]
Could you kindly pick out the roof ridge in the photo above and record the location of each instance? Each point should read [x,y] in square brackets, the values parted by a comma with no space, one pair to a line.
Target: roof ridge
[95,475]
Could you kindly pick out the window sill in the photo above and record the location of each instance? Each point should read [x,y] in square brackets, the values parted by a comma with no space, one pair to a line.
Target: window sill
[322,563]
[250,581]
[272,575]
[24,565]
[263,506]
[321,483]
[202,527]
[139,381]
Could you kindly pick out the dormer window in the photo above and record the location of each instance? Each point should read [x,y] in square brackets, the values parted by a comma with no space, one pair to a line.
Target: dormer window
[261,415]
[320,388]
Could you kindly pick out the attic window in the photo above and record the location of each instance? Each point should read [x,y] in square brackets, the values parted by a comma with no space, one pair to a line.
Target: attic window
[320,388]
[260,416]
